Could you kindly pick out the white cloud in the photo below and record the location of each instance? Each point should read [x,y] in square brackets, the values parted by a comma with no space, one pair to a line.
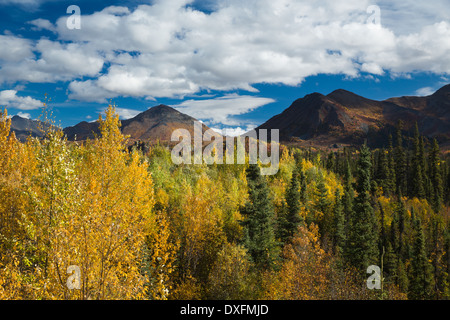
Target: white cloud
[409,16]
[43,24]
[222,109]
[169,49]
[10,99]
[125,114]
[14,49]
[233,132]
[57,62]
[29,4]
[20,2]
[24,115]
[426,91]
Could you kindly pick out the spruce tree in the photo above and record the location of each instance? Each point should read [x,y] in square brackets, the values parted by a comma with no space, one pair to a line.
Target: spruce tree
[322,207]
[382,172]
[349,193]
[392,179]
[339,225]
[303,184]
[401,214]
[291,220]
[258,223]
[400,162]
[390,263]
[362,242]
[420,277]
[331,159]
[417,185]
[435,177]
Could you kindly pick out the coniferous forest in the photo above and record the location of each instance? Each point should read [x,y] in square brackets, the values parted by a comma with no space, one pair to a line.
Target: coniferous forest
[137,226]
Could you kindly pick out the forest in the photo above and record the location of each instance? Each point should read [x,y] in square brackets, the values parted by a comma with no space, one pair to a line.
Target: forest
[140,227]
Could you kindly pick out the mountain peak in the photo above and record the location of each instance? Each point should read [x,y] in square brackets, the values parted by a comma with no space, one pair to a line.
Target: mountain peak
[158,111]
[162,107]
[344,117]
[445,90]
[347,98]
[341,92]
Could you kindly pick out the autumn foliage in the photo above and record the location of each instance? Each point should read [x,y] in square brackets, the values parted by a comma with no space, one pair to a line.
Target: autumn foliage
[140,227]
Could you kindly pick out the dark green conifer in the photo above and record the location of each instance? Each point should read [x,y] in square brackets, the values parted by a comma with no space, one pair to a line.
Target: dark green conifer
[258,223]
[420,276]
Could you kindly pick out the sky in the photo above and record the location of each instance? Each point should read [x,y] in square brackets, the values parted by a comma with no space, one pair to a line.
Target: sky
[232,64]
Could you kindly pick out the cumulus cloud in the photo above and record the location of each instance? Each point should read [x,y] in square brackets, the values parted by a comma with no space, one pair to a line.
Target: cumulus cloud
[125,114]
[426,91]
[14,49]
[10,99]
[170,49]
[222,109]
[57,62]
[24,115]
[43,24]
[233,131]
[182,50]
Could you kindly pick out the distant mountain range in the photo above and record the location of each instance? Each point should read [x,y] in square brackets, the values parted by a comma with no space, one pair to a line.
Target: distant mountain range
[345,118]
[340,118]
[156,123]
[24,128]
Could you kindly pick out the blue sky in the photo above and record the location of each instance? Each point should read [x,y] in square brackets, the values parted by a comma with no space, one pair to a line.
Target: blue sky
[233,64]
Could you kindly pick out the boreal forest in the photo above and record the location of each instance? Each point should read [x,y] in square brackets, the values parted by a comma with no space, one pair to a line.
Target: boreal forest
[137,226]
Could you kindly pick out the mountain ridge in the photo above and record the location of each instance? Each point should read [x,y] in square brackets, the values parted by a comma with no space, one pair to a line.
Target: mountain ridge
[339,118]
[343,117]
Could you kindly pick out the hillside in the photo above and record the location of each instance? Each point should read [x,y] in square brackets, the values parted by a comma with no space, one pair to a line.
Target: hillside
[156,123]
[343,117]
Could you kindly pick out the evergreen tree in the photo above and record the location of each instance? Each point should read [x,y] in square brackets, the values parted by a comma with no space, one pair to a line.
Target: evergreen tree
[390,263]
[382,172]
[258,223]
[339,225]
[330,161]
[392,179]
[349,193]
[435,177]
[420,277]
[447,184]
[417,185]
[362,242]
[322,208]
[402,277]
[303,185]
[291,220]
[400,162]
[401,215]
[447,258]
[437,253]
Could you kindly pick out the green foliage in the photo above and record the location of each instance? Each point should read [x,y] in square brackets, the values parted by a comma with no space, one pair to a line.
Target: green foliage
[259,223]
[362,241]
[421,277]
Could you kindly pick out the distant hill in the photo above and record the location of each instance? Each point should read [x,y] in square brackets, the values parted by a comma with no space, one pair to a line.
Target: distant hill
[340,118]
[24,128]
[345,118]
[156,123]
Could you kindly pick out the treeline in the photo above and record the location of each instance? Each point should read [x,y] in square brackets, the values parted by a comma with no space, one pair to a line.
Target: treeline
[410,165]
[400,214]
[140,227]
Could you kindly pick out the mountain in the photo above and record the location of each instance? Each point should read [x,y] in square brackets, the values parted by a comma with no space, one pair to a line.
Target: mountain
[343,117]
[156,123]
[23,128]
[82,131]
